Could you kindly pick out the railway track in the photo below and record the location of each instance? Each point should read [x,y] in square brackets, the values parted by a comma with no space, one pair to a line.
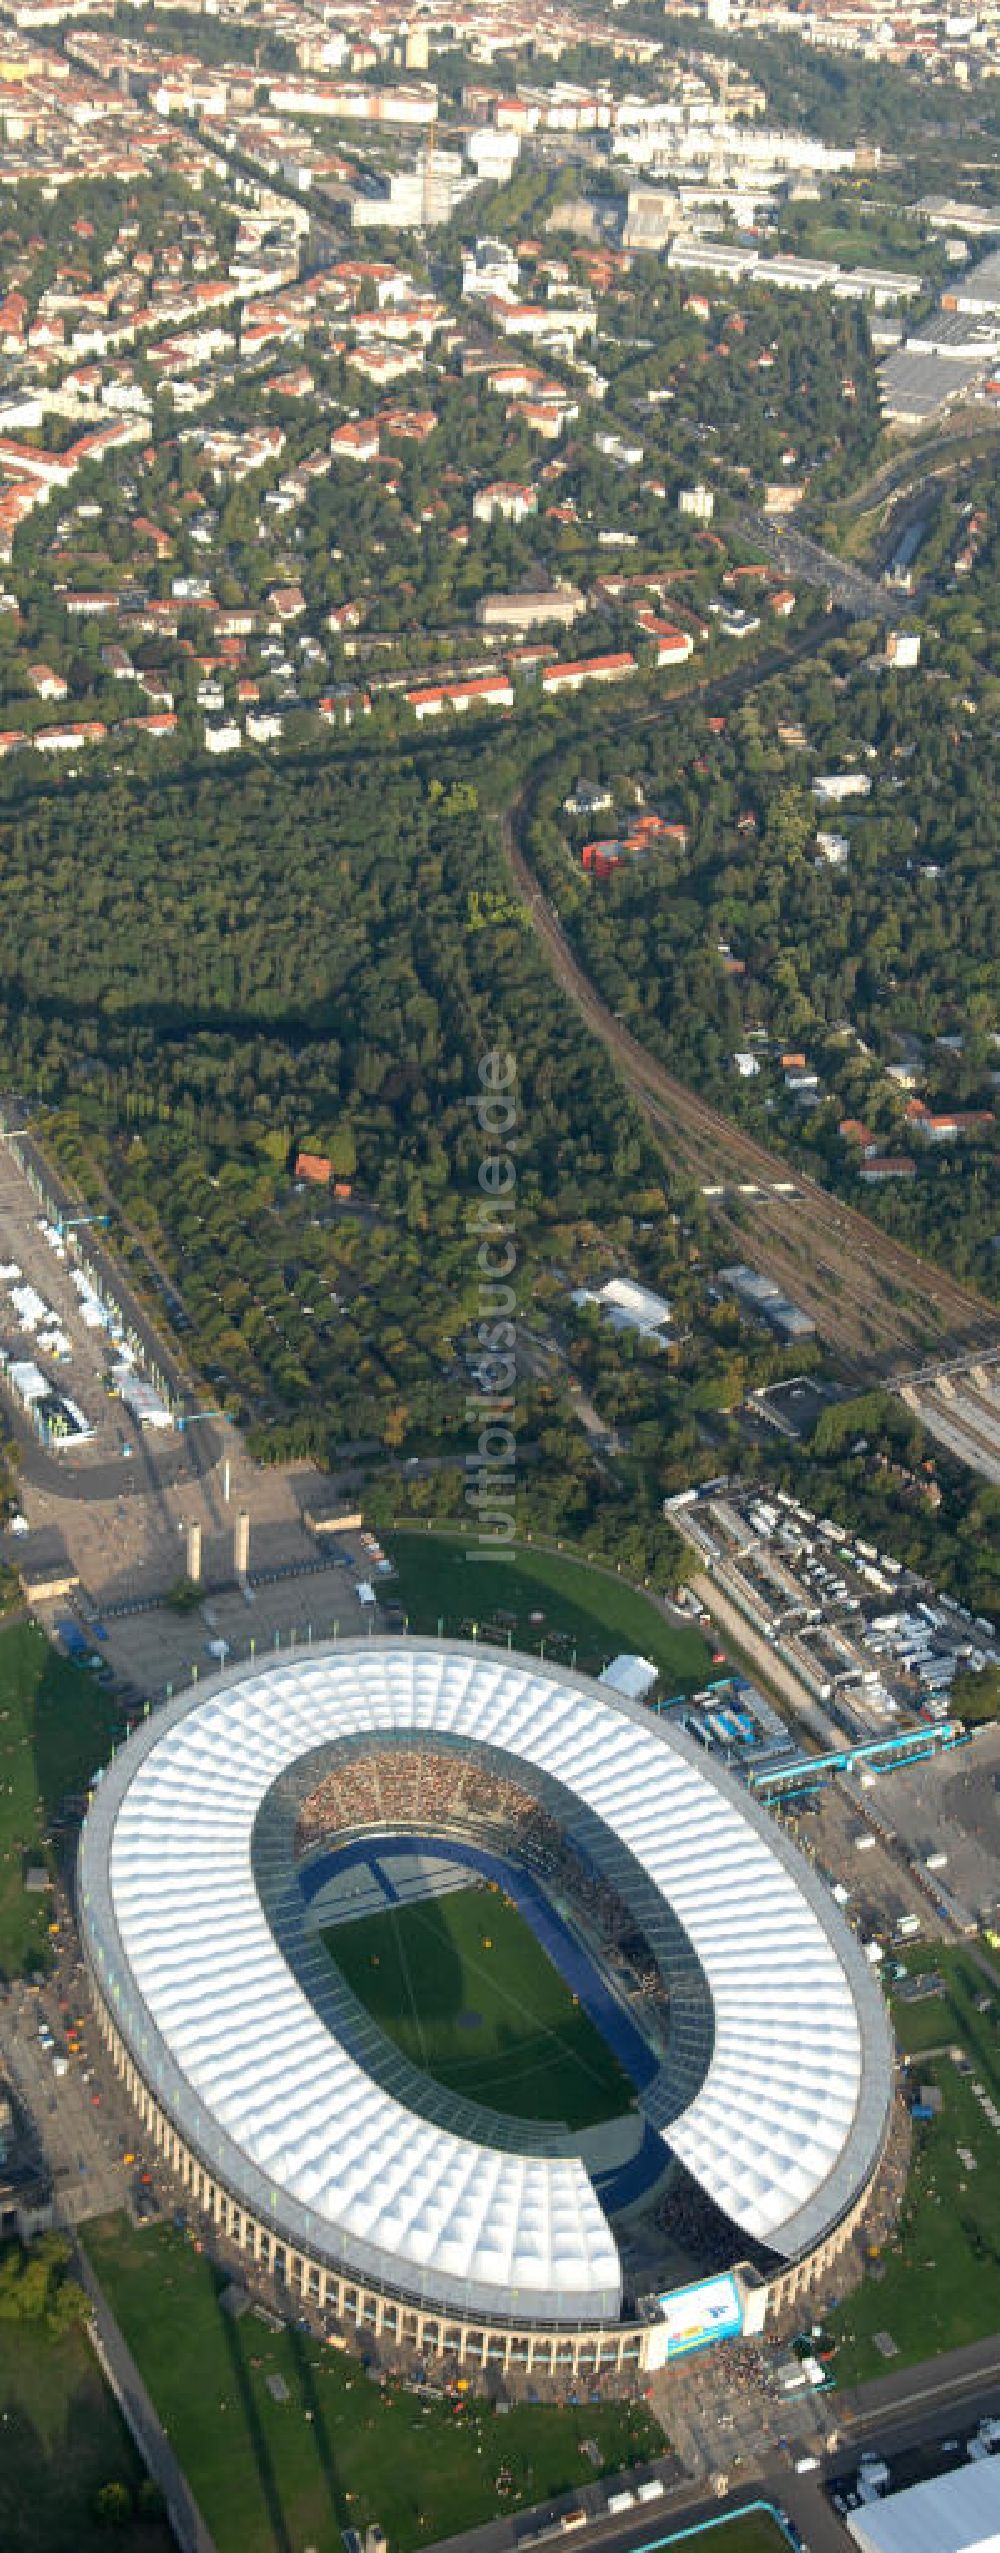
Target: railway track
[876,1303]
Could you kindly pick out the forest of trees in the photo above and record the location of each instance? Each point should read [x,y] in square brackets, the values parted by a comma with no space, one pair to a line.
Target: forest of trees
[207,981]
[319,956]
[746,926]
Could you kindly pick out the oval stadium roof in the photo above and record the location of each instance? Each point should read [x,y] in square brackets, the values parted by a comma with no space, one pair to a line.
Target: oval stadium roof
[787,2123]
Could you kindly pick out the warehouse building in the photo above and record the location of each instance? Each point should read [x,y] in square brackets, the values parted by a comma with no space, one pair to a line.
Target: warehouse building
[760,1296]
[979,290]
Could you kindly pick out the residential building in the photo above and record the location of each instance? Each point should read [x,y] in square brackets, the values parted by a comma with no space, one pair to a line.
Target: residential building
[506,498]
[552,606]
[698,501]
[483,691]
[589,669]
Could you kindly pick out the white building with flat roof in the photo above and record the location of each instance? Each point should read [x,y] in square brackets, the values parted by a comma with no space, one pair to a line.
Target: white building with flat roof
[979,290]
[957,2512]
[629,1306]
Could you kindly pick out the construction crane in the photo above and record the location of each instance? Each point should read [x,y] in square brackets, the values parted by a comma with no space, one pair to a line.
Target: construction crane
[427,213]
[717,162]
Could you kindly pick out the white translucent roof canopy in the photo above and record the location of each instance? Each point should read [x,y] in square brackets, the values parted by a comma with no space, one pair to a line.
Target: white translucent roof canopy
[168,1893]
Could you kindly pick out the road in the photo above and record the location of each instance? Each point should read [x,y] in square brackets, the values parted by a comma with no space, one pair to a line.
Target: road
[915,2408]
[89,1475]
[922,2401]
[680,2512]
[82,1478]
[798,555]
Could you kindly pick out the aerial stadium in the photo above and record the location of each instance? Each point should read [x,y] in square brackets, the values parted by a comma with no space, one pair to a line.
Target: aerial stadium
[479,2008]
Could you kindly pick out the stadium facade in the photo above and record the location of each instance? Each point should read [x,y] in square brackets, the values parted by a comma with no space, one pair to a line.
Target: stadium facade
[341,2169]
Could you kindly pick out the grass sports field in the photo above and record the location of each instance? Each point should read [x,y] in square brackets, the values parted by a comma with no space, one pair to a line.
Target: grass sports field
[583,1615]
[340,2451]
[56,1727]
[465,1989]
[937,2284]
[754,2533]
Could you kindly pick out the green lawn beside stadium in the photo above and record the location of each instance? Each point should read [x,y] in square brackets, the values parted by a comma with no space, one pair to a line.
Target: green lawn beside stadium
[339,2451]
[61,2441]
[57,1727]
[582,1615]
[936,2284]
[463,1987]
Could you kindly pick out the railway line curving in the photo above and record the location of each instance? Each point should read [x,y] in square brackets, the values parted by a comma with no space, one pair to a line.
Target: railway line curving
[876,1303]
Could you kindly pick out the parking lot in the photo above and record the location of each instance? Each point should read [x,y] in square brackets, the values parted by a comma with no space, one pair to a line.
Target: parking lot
[951,1805]
[877,2477]
[46,1320]
[838,1834]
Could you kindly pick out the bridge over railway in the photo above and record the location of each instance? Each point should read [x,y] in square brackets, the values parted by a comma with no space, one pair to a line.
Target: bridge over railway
[798,554]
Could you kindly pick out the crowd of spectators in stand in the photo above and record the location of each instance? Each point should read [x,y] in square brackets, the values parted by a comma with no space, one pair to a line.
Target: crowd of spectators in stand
[423,1789]
[645,1974]
[690,2220]
[430,1792]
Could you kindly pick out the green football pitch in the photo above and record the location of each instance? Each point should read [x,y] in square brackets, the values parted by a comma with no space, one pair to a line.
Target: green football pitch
[463,1987]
